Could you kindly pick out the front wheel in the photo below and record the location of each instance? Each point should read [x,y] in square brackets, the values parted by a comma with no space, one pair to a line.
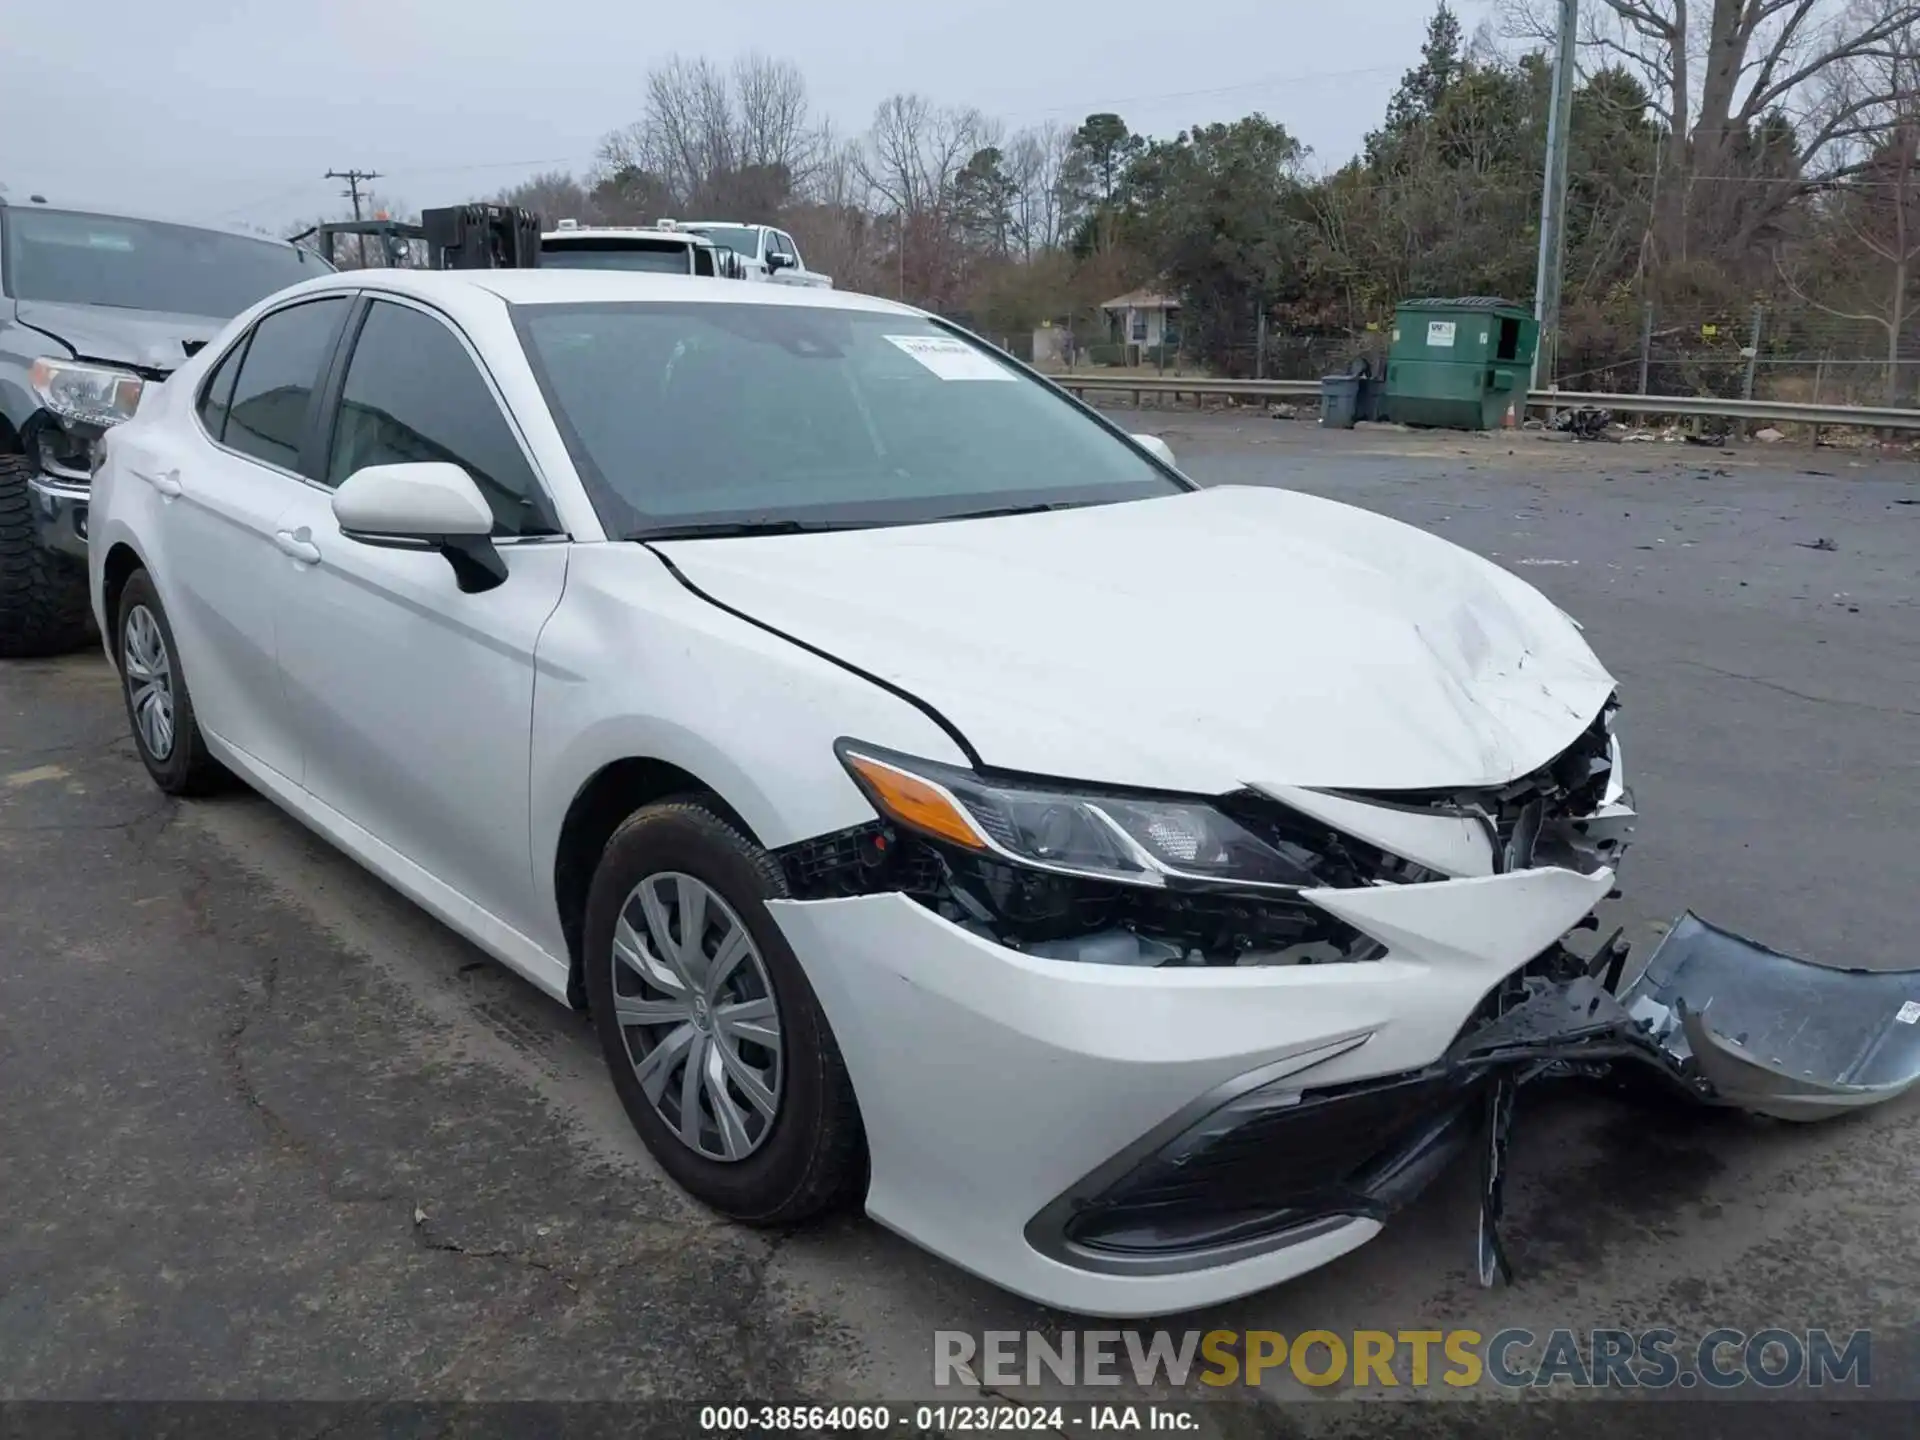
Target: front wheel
[718,1048]
[43,596]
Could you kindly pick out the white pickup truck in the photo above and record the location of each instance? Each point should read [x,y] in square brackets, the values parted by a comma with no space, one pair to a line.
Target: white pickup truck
[662,251]
[767,253]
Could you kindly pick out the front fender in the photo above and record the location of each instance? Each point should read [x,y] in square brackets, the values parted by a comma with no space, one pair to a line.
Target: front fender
[633,665]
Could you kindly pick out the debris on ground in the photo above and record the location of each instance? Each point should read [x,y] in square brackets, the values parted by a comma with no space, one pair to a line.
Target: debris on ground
[1586,423]
[1825,542]
[1714,438]
[1769,436]
[1280,410]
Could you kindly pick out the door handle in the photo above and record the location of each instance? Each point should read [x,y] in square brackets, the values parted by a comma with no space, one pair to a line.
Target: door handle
[167,482]
[297,546]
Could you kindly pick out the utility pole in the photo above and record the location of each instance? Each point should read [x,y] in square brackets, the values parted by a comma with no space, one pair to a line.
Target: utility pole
[354,179]
[1553,200]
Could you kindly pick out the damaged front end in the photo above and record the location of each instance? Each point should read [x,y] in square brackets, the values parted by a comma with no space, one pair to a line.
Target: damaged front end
[1276,876]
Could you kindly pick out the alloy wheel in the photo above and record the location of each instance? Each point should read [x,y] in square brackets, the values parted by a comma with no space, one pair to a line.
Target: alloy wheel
[696,1008]
[149,674]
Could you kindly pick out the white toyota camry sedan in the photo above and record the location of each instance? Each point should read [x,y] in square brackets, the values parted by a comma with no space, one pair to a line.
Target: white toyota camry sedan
[1119,887]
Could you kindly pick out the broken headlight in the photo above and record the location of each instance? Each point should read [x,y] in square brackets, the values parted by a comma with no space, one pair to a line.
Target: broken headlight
[1151,841]
[86,394]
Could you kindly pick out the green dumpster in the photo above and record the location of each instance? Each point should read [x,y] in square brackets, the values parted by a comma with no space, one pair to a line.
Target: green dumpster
[1459,364]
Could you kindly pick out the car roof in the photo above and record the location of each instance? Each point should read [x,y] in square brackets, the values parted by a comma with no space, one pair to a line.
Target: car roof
[116,212]
[585,287]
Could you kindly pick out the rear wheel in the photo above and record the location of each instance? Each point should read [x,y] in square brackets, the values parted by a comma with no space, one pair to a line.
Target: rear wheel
[43,595]
[159,705]
[718,1048]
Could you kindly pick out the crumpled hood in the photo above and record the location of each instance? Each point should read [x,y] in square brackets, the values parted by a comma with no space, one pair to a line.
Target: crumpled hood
[1201,642]
[148,339]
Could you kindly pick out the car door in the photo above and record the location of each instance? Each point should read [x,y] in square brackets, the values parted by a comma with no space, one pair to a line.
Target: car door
[413,701]
[224,480]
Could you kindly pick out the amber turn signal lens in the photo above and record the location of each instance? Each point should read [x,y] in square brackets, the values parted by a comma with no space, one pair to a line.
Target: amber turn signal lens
[916,803]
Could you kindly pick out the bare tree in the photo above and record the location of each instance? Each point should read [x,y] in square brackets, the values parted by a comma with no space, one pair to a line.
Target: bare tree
[834,220]
[555,195]
[1868,240]
[1035,162]
[914,154]
[1763,101]
[737,141]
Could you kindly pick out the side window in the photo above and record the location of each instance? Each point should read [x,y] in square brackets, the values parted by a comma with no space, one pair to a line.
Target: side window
[289,348]
[783,245]
[413,393]
[216,396]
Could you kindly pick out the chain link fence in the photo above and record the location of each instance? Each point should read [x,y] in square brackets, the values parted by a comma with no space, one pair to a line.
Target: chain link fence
[1781,349]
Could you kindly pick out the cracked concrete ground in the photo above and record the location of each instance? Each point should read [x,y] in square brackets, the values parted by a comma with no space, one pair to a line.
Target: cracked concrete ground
[268,1132]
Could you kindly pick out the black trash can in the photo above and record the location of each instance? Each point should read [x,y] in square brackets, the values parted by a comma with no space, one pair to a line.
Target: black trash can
[1340,400]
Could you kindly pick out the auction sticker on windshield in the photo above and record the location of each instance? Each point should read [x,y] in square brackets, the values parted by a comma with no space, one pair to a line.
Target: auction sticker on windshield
[951,359]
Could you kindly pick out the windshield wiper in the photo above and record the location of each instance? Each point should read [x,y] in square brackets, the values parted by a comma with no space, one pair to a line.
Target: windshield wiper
[729,529]
[1039,509]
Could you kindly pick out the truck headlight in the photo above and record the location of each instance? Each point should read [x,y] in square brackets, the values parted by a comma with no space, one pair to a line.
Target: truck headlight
[87,394]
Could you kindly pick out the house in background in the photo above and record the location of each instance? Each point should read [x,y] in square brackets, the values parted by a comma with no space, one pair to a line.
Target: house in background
[1142,320]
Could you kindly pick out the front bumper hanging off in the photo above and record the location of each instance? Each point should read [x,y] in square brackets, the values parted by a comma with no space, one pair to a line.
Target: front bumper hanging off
[1721,1019]
[1302,1105]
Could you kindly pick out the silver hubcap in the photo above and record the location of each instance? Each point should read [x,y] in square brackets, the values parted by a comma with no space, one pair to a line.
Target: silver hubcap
[143,654]
[696,1009]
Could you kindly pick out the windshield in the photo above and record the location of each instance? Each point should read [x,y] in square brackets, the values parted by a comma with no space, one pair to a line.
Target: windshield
[741,239]
[687,412]
[659,257]
[76,259]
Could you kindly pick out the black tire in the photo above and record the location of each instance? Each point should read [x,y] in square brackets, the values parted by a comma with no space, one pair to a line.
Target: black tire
[813,1156]
[187,768]
[43,595]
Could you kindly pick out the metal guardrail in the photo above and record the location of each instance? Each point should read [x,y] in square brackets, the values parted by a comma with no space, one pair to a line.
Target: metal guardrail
[1784,412]
[1864,417]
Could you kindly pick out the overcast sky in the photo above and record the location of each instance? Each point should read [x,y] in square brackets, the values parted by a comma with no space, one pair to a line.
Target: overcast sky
[234,109]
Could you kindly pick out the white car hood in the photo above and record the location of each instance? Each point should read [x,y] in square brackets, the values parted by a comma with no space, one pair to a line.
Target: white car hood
[1201,642]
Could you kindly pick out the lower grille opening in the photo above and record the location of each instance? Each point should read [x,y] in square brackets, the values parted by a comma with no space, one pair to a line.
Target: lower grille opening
[1274,1161]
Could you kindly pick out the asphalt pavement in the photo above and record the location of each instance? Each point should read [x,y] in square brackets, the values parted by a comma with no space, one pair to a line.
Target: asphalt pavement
[268,1132]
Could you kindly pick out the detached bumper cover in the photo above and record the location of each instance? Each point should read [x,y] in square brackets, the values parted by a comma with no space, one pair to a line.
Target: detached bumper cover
[1746,1026]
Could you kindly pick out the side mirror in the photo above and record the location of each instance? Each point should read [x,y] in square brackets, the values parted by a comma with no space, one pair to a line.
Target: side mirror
[777,261]
[1156,447]
[427,505]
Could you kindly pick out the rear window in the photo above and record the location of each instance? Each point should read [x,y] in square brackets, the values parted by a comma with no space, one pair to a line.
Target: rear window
[65,257]
[651,257]
[741,239]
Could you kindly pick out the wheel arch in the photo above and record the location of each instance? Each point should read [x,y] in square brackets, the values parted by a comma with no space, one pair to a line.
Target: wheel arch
[121,561]
[599,807]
